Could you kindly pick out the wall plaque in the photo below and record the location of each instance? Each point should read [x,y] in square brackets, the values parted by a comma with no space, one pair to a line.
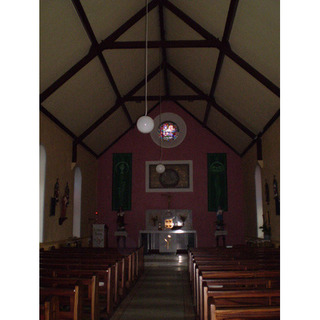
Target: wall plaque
[178,176]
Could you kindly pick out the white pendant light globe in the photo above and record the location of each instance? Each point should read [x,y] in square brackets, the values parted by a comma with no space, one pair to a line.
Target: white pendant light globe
[145,124]
[160,168]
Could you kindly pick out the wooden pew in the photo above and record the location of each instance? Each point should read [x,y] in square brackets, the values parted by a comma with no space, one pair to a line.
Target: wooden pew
[60,298]
[90,291]
[208,275]
[105,284]
[239,297]
[228,284]
[255,313]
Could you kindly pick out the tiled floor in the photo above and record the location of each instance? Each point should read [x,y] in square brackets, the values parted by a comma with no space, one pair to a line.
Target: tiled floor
[162,292]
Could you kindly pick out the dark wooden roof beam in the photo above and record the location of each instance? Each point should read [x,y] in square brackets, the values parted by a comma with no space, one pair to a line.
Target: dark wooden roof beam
[118,103]
[158,44]
[225,39]
[222,46]
[93,52]
[165,97]
[212,102]
[86,24]
[65,129]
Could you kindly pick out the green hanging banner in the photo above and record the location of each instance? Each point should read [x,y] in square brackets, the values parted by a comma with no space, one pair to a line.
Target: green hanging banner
[121,181]
[217,181]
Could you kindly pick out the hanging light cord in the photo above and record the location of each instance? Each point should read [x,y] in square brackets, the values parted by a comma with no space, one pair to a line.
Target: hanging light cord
[146,68]
[160,109]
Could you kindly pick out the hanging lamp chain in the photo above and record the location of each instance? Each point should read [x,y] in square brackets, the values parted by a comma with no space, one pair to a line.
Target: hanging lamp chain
[146,60]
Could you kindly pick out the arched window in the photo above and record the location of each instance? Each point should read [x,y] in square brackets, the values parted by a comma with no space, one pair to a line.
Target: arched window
[43,158]
[77,203]
[259,202]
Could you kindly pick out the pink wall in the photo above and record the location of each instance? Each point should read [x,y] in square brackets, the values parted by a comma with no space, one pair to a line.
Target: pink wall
[197,144]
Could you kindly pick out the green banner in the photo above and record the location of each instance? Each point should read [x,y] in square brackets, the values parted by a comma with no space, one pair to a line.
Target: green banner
[121,181]
[217,181]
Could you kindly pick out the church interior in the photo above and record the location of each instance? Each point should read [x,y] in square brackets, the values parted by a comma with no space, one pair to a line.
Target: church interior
[159,152]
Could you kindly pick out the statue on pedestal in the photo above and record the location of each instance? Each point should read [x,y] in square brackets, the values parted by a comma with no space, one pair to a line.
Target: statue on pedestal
[219,222]
[120,220]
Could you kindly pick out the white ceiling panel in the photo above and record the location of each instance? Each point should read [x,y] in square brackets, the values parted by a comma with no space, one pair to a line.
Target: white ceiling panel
[177,86]
[210,14]
[155,86]
[82,99]
[108,131]
[128,66]
[197,108]
[226,130]
[63,40]
[255,36]
[176,29]
[107,16]
[244,97]
[196,64]
[138,32]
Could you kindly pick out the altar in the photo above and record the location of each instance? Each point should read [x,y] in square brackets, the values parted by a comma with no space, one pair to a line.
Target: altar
[168,231]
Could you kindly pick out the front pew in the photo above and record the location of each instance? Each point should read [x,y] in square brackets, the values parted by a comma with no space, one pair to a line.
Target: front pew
[61,303]
[90,291]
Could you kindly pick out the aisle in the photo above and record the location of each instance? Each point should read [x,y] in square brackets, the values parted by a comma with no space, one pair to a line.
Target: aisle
[162,292]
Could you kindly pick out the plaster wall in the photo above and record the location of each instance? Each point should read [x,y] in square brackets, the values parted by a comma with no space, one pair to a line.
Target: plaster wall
[58,147]
[271,167]
[197,144]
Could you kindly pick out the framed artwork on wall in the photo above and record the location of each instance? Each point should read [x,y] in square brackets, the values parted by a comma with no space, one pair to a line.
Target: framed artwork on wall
[177,177]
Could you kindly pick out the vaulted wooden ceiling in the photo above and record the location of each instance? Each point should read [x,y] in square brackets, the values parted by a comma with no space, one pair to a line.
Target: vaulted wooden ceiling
[219,60]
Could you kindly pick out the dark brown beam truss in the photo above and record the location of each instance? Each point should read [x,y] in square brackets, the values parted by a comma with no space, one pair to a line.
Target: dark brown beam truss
[118,103]
[265,128]
[222,47]
[207,128]
[65,129]
[212,101]
[93,52]
[171,97]
[159,44]
[122,135]
[225,40]
[93,39]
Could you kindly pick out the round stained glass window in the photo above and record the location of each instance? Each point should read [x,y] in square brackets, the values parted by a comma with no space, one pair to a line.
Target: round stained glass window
[168,131]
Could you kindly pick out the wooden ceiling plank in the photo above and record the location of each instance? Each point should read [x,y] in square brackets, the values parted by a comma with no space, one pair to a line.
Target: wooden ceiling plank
[212,101]
[86,24]
[225,39]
